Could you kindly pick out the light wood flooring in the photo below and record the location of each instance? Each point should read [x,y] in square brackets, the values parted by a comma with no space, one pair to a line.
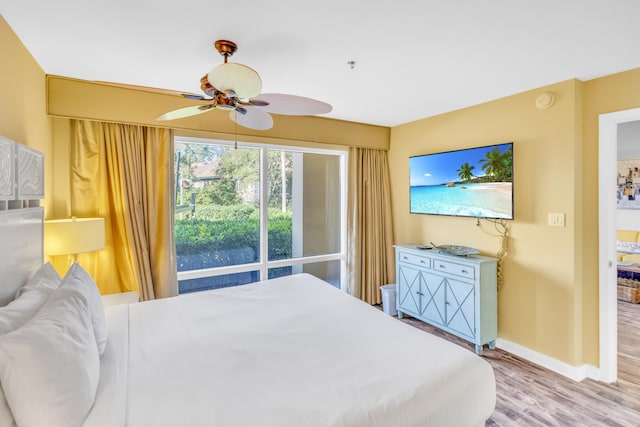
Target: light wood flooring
[529,395]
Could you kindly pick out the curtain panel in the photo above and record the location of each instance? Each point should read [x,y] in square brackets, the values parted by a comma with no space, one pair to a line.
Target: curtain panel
[124,174]
[370,254]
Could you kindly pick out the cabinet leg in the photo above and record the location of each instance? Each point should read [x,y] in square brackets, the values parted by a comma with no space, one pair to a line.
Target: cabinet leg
[399,314]
[479,350]
[492,345]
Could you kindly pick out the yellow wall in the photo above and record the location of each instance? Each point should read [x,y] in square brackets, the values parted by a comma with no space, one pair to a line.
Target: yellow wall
[549,302]
[23,115]
[23,118]
[536,307]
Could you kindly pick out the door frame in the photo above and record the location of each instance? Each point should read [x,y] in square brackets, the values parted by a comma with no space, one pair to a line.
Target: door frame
[608,298]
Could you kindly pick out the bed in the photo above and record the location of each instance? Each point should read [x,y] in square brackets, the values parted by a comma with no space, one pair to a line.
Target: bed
[292,351]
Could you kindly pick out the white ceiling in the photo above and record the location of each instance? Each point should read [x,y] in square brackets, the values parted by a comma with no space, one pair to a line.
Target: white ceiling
[414,58]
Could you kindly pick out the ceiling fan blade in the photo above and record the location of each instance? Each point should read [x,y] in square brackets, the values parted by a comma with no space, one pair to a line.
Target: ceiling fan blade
[195,96]
[181,113]
[244,81]
[252,102]
[292,105]
[253,119]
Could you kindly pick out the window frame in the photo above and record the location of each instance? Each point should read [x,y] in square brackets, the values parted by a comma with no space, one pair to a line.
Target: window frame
[263,265]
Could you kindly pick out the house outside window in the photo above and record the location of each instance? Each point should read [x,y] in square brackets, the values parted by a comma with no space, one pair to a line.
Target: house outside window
[257,211]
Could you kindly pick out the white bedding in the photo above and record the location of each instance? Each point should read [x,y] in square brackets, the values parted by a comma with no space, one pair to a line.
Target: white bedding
[292,351]
[110,405]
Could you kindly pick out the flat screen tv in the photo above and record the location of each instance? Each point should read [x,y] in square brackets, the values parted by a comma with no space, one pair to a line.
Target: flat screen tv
[474,182]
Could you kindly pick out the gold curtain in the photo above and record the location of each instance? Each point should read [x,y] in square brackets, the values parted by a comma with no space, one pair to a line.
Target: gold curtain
[370,255]
[124,173]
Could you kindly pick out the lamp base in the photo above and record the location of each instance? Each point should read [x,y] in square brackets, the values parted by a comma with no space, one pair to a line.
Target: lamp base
[72,259]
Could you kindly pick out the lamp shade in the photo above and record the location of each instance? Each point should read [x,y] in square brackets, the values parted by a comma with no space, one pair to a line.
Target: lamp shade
[73,236]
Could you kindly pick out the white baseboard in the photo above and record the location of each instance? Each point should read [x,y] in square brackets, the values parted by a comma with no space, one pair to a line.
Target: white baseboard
[595,373]
[576,373]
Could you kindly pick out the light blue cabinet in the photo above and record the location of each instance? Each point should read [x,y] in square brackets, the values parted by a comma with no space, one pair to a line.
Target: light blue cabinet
[456,294]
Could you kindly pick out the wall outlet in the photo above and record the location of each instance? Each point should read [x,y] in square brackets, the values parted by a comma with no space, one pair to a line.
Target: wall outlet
[556,219]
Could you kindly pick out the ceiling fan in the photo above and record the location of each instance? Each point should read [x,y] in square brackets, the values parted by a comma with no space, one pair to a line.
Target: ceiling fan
[236,88]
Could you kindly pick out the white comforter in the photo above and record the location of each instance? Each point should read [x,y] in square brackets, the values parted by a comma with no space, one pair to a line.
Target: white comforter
[292,351]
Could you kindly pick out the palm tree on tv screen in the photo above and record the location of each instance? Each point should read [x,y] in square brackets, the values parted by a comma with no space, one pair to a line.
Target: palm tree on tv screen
[497,164]
[464,172]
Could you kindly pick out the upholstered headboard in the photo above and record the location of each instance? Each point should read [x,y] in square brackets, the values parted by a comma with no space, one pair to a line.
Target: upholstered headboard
[21,217]
[21,255]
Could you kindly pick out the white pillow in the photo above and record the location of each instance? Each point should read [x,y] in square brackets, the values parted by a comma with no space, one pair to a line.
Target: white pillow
[29,299]
[628,247]
[45,278]
[49,368]
[79,279]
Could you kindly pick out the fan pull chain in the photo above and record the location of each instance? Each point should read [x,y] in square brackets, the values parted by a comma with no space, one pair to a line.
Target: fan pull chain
[235,145]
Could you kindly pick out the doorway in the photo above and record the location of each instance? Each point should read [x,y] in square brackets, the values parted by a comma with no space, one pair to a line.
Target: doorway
[607,166]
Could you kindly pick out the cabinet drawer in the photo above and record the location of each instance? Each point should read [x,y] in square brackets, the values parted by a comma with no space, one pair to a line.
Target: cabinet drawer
[418,260]
[461,270]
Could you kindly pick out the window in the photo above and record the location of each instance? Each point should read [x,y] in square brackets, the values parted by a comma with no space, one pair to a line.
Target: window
[256,211]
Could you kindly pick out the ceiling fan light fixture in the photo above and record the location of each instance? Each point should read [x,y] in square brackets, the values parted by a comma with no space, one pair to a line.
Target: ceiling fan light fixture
[242,80]
[233,87]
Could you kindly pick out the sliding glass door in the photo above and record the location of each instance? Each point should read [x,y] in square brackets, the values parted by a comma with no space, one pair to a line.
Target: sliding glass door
[256,211]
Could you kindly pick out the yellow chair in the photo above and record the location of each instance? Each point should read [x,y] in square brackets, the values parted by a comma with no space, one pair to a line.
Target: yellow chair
[628,236]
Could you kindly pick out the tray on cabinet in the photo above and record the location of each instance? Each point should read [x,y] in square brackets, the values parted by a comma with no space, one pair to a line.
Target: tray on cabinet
[457,250]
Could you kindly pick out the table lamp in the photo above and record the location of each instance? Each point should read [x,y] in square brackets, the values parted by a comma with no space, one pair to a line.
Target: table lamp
[73,236]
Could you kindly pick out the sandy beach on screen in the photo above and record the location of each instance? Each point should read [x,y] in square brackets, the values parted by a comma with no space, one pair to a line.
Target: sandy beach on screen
[497,187]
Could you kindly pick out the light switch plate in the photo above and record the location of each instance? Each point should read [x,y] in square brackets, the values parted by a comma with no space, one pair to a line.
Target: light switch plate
[556,219]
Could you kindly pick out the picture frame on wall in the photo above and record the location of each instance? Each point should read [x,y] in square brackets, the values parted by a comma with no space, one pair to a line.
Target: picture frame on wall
[628,191]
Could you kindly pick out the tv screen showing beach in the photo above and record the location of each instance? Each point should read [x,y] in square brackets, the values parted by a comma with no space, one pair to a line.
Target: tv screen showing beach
[475,182]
